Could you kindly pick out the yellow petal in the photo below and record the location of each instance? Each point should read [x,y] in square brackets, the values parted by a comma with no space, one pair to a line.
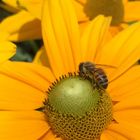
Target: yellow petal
[7,50]
[130,116]
[80,11]
[9,8]
[82,26]
[126,85]
[132,11]
[4,35]
[50,136]
[23,26]
[93,37]
[35,6]
[121,131]
[12,3]
[22,69]
[41,57]
[109,135]
[22,125]
[32,6]
[61,36]
[129,103]
[114,30]
[27,84]
[128,109]
[124,1]
[125,43]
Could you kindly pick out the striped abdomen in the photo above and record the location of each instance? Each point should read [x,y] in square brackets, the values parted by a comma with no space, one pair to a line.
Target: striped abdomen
[100,78]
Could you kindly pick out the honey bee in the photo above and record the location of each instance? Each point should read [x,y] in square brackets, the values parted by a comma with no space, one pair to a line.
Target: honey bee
[89,71]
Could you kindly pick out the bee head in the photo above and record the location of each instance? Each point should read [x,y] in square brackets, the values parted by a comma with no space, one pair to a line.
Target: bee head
[86,67]
[81,67]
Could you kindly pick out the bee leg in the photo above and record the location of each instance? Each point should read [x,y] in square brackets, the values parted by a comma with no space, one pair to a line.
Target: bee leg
[94,84]
[82,75]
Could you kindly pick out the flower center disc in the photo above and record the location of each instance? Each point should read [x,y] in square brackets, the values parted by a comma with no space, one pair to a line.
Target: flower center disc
[69,96]
[112,8]
[77,111]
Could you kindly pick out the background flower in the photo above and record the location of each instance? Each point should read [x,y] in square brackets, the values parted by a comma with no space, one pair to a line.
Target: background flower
[29,27]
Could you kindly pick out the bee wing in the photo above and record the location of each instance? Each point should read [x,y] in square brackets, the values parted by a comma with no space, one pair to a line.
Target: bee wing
[107,66]
[121,74]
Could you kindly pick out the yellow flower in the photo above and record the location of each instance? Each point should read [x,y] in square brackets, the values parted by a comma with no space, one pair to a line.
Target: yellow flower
[120,10]
[34,6]
[129,14]
[24,85]
[28,27]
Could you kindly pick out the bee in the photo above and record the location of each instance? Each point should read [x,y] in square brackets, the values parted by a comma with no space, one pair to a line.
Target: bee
[89,71]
